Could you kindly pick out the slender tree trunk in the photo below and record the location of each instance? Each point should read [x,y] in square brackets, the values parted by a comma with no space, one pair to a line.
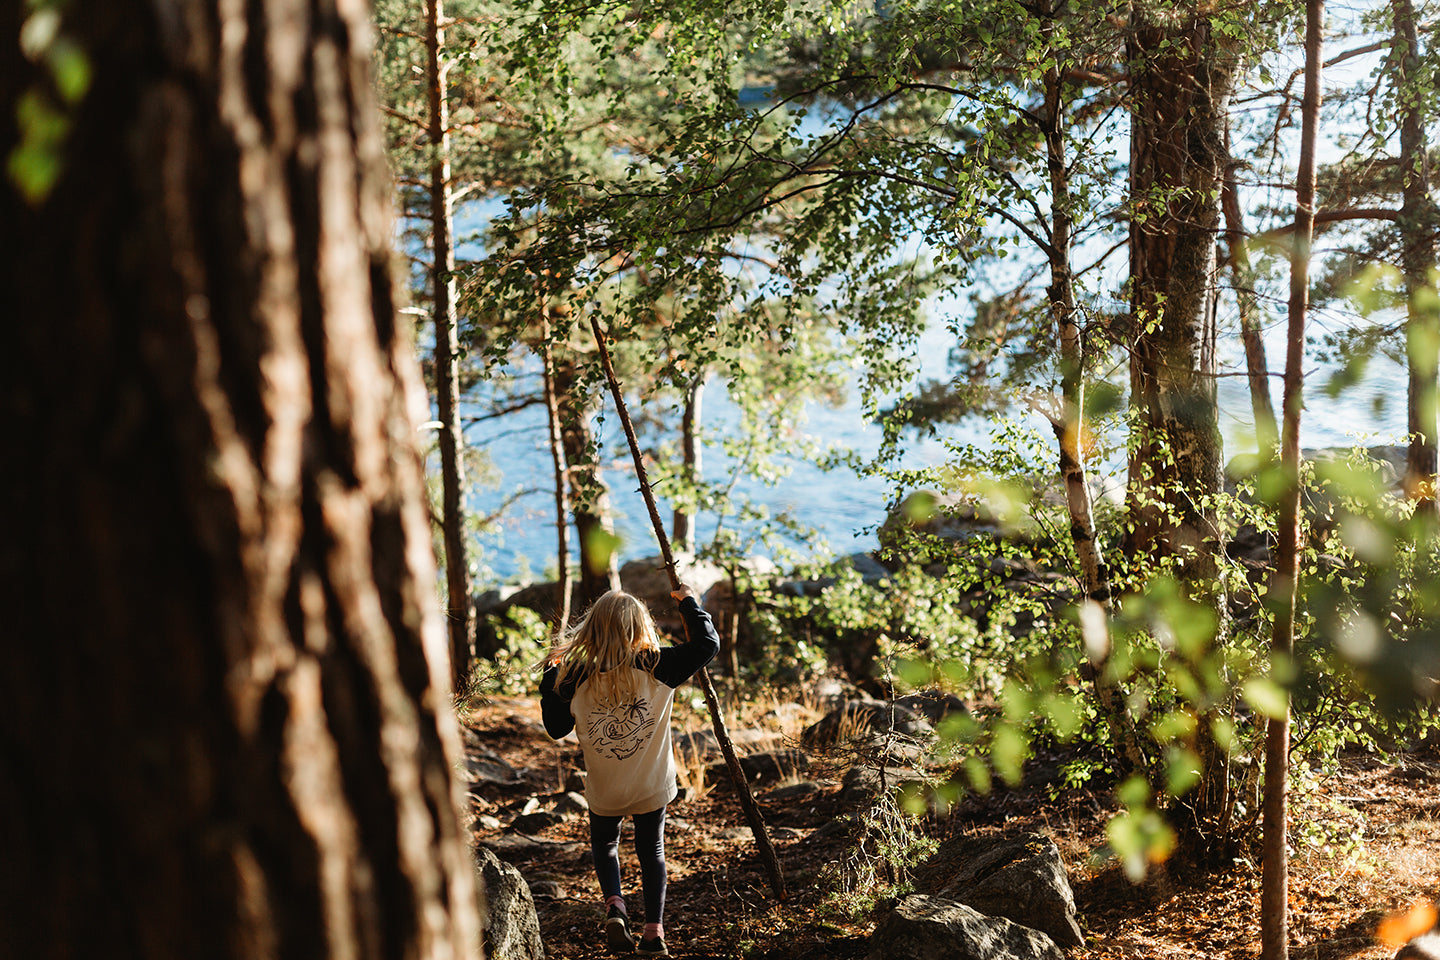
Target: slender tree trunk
[216,569]
[1274,892]
[1418,224]
[460,607]
[589,504]
[1070,428]
[1267,429]
[682,522]
[565,585]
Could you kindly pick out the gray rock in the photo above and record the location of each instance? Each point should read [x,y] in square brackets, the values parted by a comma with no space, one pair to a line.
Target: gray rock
[1424,947]
[932,928]
[862,783]
[1021,878]
[795,793]
[840,826]
[933,705]
[760,768]
[785,715]
[698,746]
[547,889]
[648,579]
[533,823]
[518,846]
[833,692]
[859,718]
[511,928]
[871,571]
[774,766]
[489,768]
[571,804]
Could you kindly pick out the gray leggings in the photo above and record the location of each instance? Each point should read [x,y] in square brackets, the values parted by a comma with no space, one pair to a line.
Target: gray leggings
[649,847]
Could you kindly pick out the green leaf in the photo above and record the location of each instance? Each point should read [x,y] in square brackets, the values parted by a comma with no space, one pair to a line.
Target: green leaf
[1182,771]
[71,69]
[1008,751]
[601,545]
[1267,697]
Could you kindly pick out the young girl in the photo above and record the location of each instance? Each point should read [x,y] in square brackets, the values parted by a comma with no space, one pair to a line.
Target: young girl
[610,681]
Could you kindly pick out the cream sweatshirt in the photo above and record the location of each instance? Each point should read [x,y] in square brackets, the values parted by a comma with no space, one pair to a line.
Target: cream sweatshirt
[629,761]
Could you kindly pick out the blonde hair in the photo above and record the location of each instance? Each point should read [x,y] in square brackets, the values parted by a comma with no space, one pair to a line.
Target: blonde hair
[606,642]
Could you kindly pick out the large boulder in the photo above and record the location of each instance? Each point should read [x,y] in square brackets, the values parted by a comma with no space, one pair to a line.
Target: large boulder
[648,579]
[923,927]
[762,768]
[933,705]
[857,719]
[863,782]
[508,920]
[1021,878]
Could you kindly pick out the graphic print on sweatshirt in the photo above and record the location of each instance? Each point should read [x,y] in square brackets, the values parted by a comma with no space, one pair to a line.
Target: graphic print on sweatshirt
[619,728]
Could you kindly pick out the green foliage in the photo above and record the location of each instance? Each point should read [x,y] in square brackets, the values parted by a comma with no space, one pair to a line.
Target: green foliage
[876,866]
[44,112]
[524,640]
[1198,697]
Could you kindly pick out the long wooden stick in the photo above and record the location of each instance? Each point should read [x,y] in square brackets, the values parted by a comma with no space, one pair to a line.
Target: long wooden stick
[732,762]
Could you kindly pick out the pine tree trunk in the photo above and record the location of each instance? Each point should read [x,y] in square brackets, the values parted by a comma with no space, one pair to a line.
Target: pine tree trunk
[1418,224]
[459,605]
[222,696]
[1257,369]
[589,503]
[682,520]
[1181,75]
[1181,80]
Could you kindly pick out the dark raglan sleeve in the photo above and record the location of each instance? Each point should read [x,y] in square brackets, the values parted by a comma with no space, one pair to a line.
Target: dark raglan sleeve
[680,663]
[555,705]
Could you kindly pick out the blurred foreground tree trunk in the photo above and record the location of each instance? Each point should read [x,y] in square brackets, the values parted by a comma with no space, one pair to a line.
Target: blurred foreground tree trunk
[224,724]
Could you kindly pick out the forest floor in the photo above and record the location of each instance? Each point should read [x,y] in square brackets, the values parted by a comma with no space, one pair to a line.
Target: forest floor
[1367,850]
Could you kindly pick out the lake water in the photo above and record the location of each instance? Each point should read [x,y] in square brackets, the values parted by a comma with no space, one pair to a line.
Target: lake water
[843,508]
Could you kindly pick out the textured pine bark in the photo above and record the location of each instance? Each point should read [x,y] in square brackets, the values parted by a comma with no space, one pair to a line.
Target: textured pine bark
[224,707]
[1181,78]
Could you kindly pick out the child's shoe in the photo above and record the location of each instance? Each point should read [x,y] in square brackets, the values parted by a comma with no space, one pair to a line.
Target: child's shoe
[617,931]
[652,947]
